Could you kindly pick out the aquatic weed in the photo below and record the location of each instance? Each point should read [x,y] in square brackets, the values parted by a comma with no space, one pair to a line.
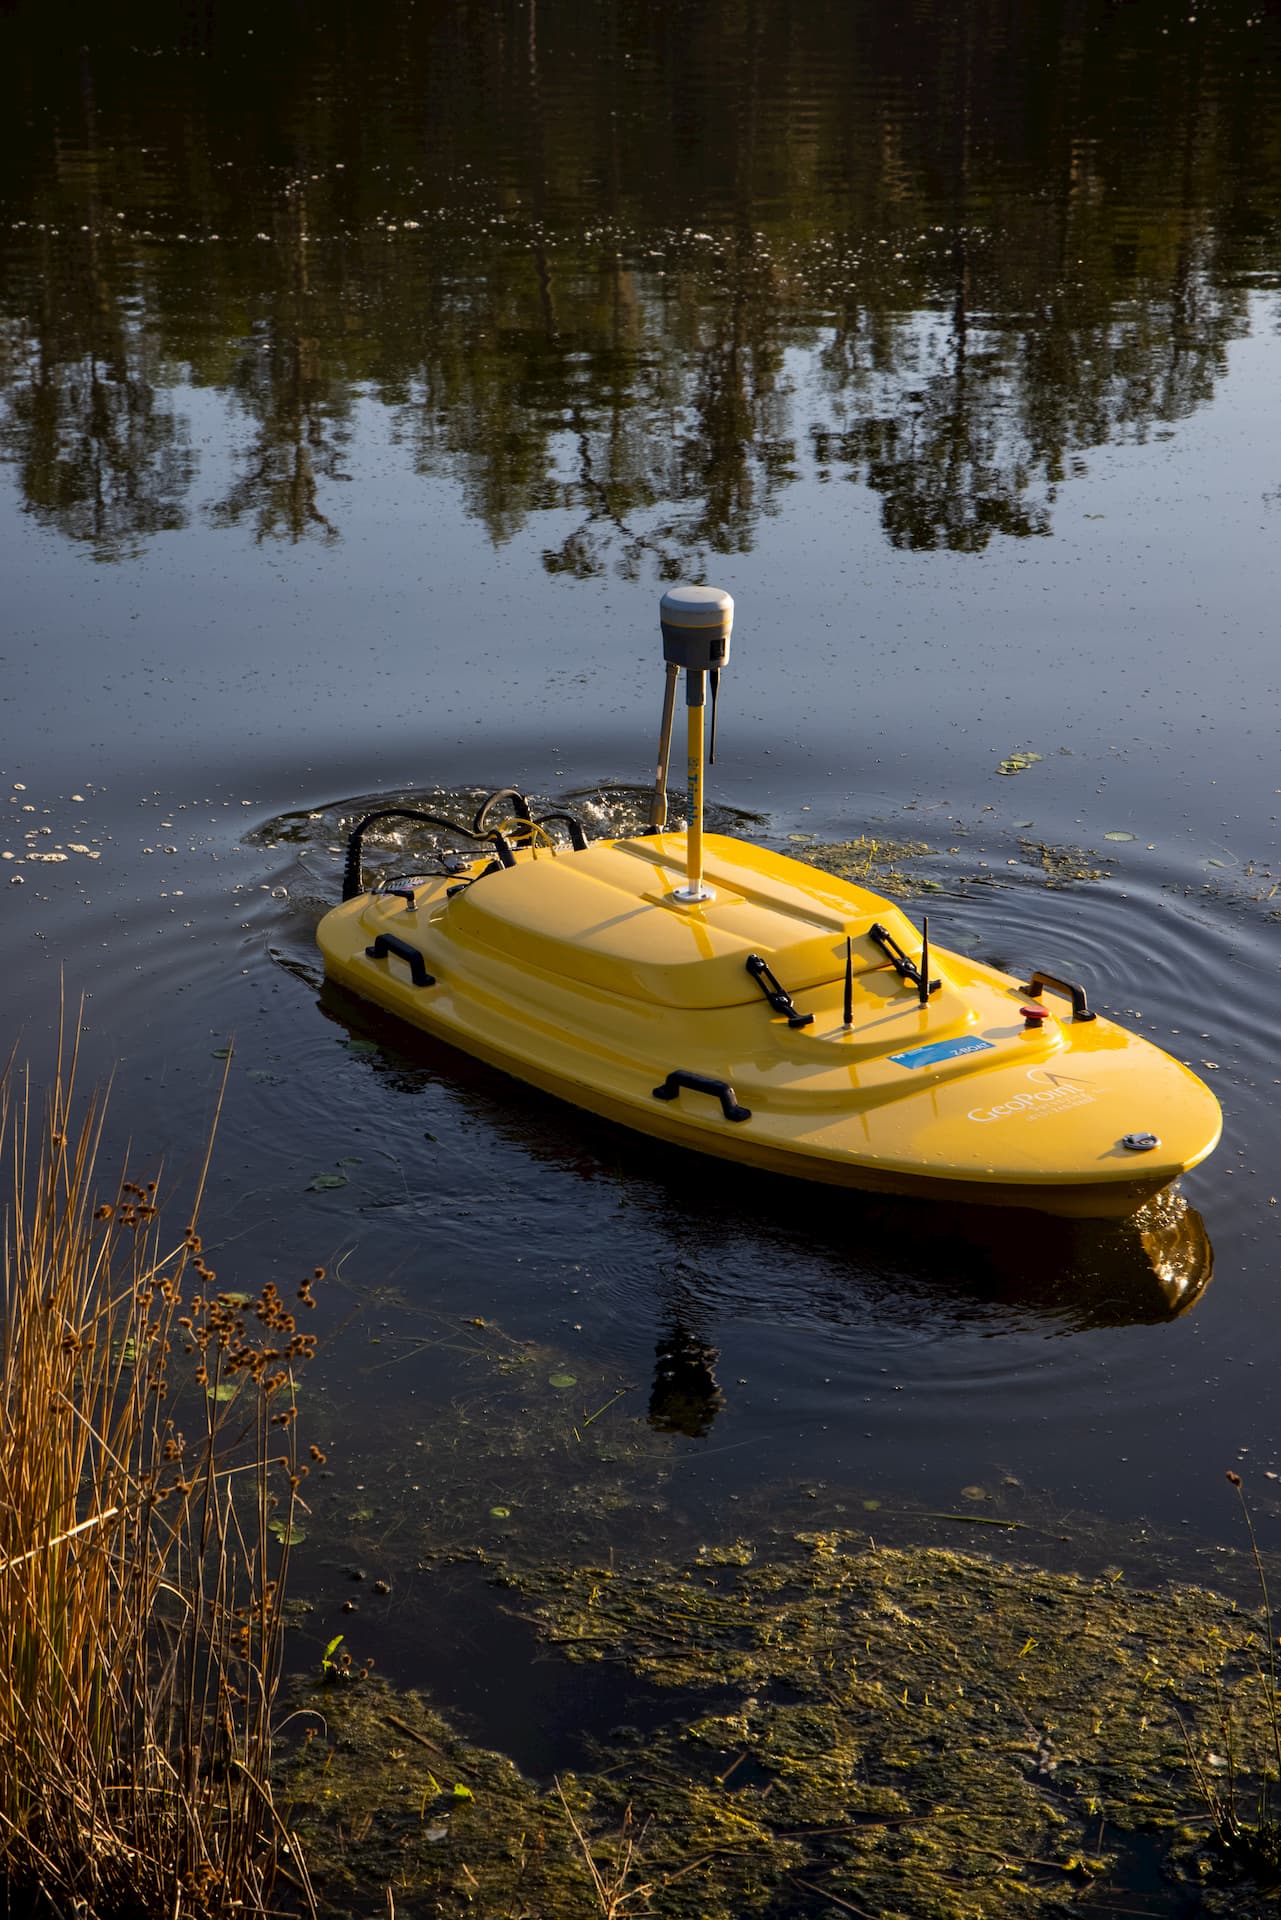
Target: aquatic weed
[868,860]
[896,1731]
[1249,1842]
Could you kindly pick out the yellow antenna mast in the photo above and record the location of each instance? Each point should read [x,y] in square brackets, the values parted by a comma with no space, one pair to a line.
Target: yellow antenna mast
[696,623]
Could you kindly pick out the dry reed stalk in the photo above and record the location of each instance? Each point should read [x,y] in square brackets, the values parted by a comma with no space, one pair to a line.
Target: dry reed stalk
[610,1885]
[148,1485]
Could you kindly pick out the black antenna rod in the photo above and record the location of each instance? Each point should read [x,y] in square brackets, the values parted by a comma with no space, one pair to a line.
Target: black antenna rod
[924,983]
[714,675]
[849,981]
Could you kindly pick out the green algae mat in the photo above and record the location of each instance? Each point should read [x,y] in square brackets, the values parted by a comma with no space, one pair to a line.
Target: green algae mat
[837,1729]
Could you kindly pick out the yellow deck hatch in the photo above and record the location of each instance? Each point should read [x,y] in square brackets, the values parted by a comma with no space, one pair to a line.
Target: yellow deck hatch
[608,917]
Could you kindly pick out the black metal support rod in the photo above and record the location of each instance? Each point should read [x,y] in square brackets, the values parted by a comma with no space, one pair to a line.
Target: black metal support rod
[849,981]
[658,805]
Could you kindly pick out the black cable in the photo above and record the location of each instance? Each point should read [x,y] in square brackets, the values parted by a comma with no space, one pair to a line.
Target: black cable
[353,881]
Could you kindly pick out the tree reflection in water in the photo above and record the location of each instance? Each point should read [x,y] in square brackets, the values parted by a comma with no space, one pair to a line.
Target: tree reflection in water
[645,265]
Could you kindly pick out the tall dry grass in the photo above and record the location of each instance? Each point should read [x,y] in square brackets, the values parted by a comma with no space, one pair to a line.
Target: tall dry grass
[148,1487]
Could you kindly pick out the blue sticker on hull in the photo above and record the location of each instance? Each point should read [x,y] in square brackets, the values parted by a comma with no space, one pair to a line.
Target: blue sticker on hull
[940,1050]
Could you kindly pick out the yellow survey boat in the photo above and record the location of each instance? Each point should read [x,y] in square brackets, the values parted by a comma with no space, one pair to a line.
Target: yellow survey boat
[730,999]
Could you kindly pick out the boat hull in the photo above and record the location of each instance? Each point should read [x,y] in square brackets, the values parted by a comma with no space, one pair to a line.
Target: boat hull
[584,974]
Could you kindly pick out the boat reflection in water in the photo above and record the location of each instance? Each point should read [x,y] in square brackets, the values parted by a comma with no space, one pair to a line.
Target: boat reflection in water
[729,1241]
[1148,1269]
[1173,1236]
[686,1395]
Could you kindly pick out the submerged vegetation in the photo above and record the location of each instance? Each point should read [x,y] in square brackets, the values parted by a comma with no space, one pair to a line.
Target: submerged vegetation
[777,1723]
[148,1480]
[833,1728]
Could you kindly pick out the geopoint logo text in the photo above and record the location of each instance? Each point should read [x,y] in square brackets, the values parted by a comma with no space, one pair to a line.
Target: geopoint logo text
[1054,1096]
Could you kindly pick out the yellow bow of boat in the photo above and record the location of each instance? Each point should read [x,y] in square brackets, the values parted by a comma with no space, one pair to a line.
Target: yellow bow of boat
[727,998]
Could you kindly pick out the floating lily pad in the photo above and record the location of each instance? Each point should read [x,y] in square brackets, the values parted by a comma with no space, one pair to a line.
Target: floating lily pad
[224,1391]
[222,1053]
[562,1380]
[326,1182]
[500,1513]
[1118,833]
[1020,761]
[287,1534]
[362,1046]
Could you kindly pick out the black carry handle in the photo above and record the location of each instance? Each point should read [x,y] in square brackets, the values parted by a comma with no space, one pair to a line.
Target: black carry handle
[703,1083]
[390,943]
[1034,987]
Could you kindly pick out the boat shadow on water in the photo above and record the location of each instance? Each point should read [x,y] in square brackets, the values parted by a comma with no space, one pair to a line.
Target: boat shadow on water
[747,1243]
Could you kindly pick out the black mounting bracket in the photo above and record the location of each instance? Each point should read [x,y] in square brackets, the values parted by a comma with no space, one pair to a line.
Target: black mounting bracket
[777,995]
[905,969]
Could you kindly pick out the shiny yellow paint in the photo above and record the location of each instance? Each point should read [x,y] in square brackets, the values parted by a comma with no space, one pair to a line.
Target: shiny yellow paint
[694,788]
[582,973]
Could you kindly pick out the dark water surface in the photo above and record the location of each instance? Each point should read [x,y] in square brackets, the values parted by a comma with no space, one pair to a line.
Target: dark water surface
[365,372]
